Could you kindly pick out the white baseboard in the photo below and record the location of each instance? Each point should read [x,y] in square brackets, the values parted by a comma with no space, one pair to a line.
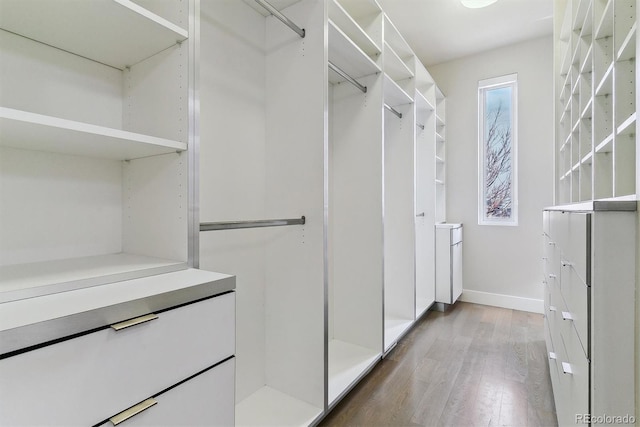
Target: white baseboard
[505,301]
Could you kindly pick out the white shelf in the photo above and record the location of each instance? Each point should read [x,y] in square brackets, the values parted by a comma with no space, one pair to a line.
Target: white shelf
[394,39]
[587,159]
[347,363]
[394,66]
[628,47]
[605,26]
[439,137]
[344,54]
[394,328]
[422,103]
[394,95]
[605,86]
[586,111]
[350,27]
[28,280]
[25,130]
[269,407]
[118,33]
[585,67]
[439,120]
[606,146]
[628,126]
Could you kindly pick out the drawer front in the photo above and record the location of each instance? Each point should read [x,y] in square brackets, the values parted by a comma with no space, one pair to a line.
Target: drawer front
[205,400]
[87,379]
[576,295]
[576,253]
[559,229]
[553,357]
[573,370]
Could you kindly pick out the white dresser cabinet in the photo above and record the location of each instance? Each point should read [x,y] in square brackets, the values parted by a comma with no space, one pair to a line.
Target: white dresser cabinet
[168,337]
[589,279]
[448,263]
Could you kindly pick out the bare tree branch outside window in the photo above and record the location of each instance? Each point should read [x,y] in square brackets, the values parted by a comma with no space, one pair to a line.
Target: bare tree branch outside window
[497,148]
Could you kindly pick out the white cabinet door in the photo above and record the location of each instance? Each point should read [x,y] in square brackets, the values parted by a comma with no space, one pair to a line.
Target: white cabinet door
[456,271]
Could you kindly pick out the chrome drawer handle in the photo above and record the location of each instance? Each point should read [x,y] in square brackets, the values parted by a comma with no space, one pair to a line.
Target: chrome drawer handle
[552,355]
[552,308]
[566,368]
[133,411]
[566,315]
[133,322]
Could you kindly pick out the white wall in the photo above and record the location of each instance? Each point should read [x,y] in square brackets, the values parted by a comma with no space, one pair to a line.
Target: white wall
[501,264]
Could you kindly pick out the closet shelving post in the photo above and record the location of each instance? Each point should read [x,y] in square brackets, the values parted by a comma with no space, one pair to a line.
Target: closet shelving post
[441,199]
[94,136]
[268,162]
[425,202]
[355,156]
[399,190]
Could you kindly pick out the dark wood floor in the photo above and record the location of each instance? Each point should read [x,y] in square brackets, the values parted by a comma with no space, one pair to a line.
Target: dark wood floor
[471,366]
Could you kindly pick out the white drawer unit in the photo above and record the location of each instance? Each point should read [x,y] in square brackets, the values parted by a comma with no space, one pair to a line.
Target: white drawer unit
[84,377]
[448,263]
[590,262]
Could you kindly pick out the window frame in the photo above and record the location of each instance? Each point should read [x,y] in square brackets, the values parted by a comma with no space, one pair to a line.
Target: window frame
[510,80]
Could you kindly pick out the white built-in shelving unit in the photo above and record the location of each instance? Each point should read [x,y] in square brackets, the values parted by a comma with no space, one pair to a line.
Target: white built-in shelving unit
[95,125]
[596,97]
[399,187]
[355,180]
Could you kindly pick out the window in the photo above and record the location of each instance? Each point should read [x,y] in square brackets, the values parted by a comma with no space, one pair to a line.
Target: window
[497,161]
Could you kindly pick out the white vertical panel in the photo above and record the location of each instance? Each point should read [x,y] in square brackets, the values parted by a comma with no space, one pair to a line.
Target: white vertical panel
[425,204]
[612,312]
[156,95]
[155,206]
[296,141]
[49,81]
[232,169]
[55,206]
[399,213]
[356,213]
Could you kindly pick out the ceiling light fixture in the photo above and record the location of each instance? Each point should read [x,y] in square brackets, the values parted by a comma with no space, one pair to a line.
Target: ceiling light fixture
[477,4]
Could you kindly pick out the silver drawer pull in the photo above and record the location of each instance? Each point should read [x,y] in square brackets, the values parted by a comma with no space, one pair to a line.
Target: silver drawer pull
[552,355]
[552,276]
[566,368]
[566,315]
[552,308]
[420,214]
[133,322]
[133,411]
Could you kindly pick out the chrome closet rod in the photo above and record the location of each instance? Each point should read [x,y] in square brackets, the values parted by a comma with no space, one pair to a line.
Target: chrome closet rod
[348,77]
[420,126]
[393,110]
[232,225]
[286,21]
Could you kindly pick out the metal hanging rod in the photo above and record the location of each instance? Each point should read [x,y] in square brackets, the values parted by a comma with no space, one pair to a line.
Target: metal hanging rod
[348,77]
[420,126]
[286,21]
[232,225]
[393,110]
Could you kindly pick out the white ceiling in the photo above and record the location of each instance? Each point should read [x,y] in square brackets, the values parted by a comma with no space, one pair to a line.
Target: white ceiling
[442,30]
